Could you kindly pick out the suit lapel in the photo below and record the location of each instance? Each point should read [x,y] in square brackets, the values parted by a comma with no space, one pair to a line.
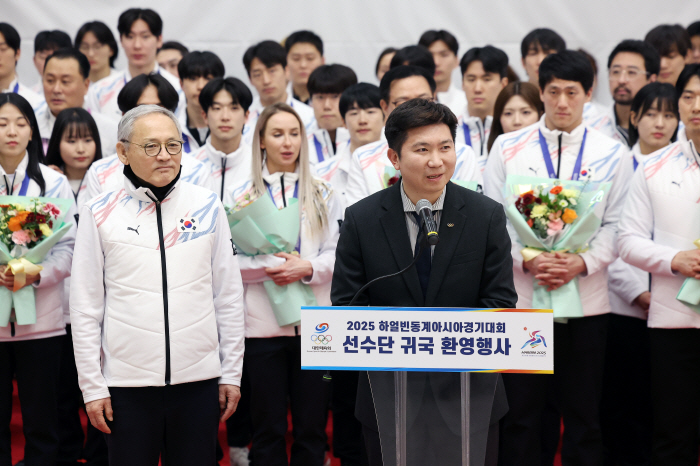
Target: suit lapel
[449,238]
[393,221]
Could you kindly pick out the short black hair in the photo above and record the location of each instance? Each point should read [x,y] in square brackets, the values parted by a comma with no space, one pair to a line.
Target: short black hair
[175,45]
[664,94]
[11,36]
[686,75]
[543,38]
[103,34]
[200,65]
[303,37]
[130,16]
[330,79]
[430,37]
[131,92]
[79,124]
[415,55]
[51,40]
[384,53]
[652,61]
[403,72]
[361,95]
[416,113]
[493,60]
[569,65]
[269,52]
[694,29]
[240,94]
[67,53]
[667,37]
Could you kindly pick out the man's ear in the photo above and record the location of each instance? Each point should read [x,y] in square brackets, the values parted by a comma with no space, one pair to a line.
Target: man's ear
[385,107]
[653,78]
[504,82]
[394,158]
[206,120]
[121,153]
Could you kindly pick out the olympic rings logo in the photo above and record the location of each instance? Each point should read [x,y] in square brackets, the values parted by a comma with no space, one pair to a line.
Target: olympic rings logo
[321,339]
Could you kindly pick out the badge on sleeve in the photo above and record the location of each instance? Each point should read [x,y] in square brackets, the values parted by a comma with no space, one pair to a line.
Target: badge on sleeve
[186,225]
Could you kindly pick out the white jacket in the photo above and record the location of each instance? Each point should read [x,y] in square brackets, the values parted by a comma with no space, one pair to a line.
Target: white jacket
[320,143]
[370,165]
[48,292]
[478,132]
[260,320]
[151,304]
[661,218]
[599,118]
[335,172]
[238,166]
[305,112]
[520,153]
[454,98]
[34,99]
[102,95]
[107,174]
[627,282]
[80,199]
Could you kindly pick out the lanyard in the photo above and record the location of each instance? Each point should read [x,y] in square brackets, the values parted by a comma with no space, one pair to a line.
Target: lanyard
[319,149]
[548,158]
[186,143]
[467,136]
[16,89]
[9,187]
[295,195]
[635,163]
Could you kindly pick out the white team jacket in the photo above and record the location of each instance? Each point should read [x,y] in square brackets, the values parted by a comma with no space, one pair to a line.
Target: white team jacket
[102,95]
[335,172]
[478,132]
[598,117]
[661,218]
[107,174]
[369,166]
[35,100]
[106,126]
[237,163]
[305,112]
[260,320]
[160,302]
[320,143]
[49,292]
[520,153]
[627,282]
[455,99]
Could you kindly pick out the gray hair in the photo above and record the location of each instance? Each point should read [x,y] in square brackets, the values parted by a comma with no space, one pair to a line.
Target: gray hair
[126,124]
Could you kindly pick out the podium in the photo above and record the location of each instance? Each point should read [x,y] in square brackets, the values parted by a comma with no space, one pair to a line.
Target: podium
[432,372]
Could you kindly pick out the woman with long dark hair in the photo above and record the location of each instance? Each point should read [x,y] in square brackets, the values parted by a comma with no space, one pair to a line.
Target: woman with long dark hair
[518,105]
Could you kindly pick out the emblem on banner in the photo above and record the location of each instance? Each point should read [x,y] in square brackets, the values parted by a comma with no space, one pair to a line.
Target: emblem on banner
[535,341]
[321,340]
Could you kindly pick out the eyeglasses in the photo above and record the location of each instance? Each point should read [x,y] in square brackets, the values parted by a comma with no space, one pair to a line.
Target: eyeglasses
[152,149]
[85,48]
[632,73]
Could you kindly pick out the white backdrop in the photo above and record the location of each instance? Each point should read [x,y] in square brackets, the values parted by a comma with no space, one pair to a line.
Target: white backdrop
[355,31]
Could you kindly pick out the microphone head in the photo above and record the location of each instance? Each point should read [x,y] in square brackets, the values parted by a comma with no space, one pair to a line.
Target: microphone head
[422,204]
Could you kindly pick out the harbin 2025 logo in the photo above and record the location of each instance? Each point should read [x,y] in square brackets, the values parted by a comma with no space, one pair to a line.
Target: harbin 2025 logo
[536,345]
[321,339]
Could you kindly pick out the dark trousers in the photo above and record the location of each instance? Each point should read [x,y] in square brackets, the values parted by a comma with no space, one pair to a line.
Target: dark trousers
[347,430]
[181,420]
[274,367]
[70,402]
[239,427]
[626,405]
[675,378]
[579,355]
[36,365]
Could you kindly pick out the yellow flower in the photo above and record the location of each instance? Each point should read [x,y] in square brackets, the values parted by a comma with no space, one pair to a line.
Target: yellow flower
[539,211]
[45,229]
[569,216]
[569,193]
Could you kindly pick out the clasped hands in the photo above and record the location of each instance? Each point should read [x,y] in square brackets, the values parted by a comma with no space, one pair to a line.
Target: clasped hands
[7,278]
[294,269]
[687,263]
[555,269]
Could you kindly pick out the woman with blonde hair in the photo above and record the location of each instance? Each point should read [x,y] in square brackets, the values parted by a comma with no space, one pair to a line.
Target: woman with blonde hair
[280,167]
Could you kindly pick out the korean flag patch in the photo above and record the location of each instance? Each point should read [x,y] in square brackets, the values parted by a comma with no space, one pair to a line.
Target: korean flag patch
[186,225]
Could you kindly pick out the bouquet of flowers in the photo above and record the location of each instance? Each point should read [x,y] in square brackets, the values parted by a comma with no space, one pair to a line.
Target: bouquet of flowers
[29,228]
[259,227]
[689,294]
[551,215]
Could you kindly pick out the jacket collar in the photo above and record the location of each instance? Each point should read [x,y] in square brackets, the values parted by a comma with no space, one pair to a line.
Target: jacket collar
[568,139]
[215,156]
[145,194]
[18,175]
[688,147]
[273,179]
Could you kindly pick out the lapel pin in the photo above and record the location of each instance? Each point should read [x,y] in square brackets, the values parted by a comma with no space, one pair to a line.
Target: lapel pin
[450,225]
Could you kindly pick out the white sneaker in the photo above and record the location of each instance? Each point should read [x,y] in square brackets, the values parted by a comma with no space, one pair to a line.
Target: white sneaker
[239,456]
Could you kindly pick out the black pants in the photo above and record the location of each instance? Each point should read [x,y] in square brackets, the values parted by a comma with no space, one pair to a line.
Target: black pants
[348,444]
[275,373]
[181,420]
[70,402]
[36,364]
[239,427]
[675,378]
[626,405]
[579,355]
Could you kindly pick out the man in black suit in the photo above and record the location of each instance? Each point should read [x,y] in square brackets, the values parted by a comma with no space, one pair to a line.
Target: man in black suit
[471,266]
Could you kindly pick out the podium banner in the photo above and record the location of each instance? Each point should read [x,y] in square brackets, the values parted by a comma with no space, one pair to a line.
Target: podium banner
[427,339]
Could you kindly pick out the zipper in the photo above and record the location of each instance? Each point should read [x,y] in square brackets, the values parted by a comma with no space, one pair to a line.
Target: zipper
[164,270]
[559,158]
[9,189]
[480,127]
[223,177]
[284,197]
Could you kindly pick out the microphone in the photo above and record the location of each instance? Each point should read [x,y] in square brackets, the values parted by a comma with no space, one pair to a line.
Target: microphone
[425,210]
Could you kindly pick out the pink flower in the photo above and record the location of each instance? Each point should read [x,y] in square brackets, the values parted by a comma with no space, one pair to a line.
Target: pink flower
[51,209]
[20,237]
[554,226]
[555,215]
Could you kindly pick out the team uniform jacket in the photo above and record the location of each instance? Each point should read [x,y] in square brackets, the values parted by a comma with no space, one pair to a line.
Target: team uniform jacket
[106,126]
[369,164]
[305,112]
[454,98]
[107,174]
[49,291]
[237,166]
[320,143]
[478,132]
[260,320]
[661,218]
[34,99]
[335,172]
[599,118]
[520,153]
[157,303]
[627,282]
[102,95]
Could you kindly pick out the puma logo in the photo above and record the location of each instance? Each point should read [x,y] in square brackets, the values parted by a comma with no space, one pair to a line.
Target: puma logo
[134,230]
[533,170]
[676,183]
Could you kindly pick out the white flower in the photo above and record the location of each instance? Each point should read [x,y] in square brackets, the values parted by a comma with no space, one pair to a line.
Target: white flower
[563,203]
[573,201]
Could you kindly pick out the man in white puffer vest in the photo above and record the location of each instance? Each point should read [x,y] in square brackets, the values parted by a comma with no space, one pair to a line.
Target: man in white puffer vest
[157,304]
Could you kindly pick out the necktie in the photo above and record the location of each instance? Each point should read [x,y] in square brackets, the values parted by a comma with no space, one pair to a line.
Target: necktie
[423,264]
